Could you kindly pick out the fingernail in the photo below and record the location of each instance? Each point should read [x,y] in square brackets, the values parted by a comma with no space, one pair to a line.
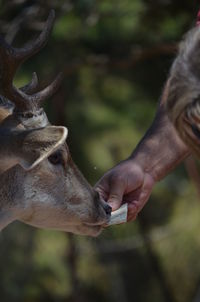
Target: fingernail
[113,205]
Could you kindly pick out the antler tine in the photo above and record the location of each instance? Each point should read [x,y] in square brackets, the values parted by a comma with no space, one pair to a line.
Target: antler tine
[28,51]
[48,91]
[8,64]
[30,88]
[26,98]
[34,101]
[8,67]
[12,57]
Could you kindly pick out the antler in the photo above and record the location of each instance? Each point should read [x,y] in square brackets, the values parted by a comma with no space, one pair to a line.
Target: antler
[25,98]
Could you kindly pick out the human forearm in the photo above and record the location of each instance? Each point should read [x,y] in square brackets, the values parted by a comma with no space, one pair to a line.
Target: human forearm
[161,149]
[131,181]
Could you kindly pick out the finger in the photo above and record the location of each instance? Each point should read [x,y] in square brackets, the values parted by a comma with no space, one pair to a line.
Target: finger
[102,193]
[145,192]
[135,206]
[133,195]
[102,188]
[132,211]
[115,196]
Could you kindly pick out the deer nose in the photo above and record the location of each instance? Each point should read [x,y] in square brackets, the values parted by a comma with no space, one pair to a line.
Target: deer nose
[107,208]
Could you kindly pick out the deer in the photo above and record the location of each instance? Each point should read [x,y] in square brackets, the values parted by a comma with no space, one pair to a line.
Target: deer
[183,90]
[40,184]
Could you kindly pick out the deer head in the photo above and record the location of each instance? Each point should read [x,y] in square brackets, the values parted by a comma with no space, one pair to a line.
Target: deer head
[40,184]
[183,91]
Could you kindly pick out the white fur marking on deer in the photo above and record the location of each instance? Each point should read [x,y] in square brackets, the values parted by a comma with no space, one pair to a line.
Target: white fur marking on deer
[40,184]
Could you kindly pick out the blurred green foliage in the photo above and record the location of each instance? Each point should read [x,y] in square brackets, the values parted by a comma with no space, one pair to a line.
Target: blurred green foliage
[115,55]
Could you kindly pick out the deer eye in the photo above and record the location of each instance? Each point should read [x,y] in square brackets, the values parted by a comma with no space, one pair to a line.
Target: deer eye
[56,158]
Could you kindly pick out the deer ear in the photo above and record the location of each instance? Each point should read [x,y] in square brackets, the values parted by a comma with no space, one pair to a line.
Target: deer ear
[37,144]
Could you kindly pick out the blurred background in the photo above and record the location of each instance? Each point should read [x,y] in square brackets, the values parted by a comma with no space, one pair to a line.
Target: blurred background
[115,55]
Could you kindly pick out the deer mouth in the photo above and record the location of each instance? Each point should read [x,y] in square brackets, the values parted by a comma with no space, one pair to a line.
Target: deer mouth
[93,230]
[97,224]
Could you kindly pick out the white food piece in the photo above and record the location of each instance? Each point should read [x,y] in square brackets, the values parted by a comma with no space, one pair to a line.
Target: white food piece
[119,216]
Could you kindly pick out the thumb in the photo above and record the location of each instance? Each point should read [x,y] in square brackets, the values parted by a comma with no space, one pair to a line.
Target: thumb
[115,196]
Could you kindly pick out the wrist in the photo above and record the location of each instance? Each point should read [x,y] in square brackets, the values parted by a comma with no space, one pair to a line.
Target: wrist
[146,164]
[158,161]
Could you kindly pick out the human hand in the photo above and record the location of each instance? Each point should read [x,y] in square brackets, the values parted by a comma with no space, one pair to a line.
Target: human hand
[126,183]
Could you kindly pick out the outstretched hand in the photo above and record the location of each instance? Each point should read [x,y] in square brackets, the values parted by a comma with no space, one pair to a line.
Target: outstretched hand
[158,153]
[126,183]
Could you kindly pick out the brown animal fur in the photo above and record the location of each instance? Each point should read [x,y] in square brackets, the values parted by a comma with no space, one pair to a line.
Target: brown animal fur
[183,91]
